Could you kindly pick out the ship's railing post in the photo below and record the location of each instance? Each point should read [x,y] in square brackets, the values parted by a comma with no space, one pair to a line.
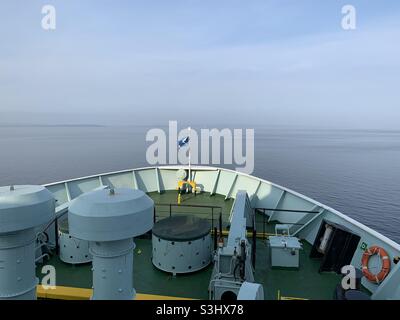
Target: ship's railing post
[212,218]
[264,224]
[56,236]
[220,223]
[253,251]
[215,238]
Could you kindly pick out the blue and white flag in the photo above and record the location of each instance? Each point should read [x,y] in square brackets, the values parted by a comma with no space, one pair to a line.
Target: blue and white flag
[183,142]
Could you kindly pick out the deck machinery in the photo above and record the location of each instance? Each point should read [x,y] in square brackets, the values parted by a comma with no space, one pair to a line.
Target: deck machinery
[106,211]
[232,277]
[23,208]
[181,244]
[109,220]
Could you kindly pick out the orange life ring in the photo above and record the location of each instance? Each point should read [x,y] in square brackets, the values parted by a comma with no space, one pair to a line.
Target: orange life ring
[378,277]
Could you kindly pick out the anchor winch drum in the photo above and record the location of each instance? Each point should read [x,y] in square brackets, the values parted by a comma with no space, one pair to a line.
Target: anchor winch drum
[72,250]
[181,244]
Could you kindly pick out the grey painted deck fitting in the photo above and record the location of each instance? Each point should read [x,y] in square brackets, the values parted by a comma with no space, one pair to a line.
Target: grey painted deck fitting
[22,208]
[109,219]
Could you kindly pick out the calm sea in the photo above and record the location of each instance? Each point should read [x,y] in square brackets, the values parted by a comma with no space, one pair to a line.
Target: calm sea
[356,171]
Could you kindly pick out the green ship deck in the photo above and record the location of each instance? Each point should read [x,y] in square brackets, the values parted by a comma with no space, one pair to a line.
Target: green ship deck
[305,282]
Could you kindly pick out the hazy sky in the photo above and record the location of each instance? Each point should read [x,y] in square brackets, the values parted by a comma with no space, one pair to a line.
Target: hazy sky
[201,61]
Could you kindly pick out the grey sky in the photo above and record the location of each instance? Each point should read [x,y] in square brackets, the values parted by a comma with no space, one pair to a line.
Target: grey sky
[273,62]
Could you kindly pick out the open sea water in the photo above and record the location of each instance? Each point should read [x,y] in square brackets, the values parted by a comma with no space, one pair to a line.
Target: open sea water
[354,171]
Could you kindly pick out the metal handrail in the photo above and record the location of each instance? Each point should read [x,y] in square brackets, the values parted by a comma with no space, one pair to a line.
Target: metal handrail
[170,205]
[286,210]
[282,210]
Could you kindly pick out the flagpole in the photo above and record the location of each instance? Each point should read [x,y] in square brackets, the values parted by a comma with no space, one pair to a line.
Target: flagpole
[190,176]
